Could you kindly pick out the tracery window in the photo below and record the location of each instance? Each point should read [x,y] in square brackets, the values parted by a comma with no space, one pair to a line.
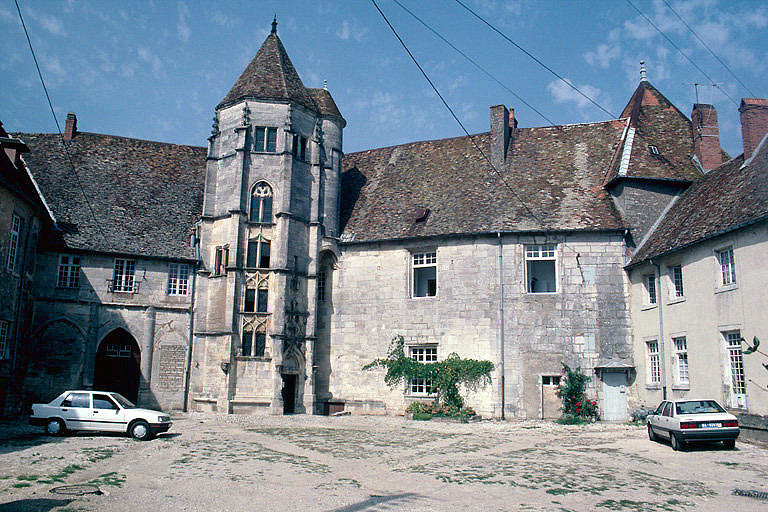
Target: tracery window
[261,203]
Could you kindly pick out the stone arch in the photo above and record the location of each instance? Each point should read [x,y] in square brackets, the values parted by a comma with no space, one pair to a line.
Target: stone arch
[118,364]
[56,362]
[261,197]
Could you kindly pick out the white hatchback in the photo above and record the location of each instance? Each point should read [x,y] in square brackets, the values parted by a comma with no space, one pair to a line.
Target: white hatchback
[685,421]
[98,410]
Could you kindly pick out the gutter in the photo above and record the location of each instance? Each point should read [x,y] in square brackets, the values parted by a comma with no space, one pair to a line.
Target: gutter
[185,406]
[659,301]
[501,320]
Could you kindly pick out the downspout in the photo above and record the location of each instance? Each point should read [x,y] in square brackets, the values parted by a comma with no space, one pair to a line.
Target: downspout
[659,301]
[20,292]
[501,319]
[196,242]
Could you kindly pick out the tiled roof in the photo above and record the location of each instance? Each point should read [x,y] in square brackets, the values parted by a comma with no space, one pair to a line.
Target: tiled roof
[657,122]
[325,104]
[555,171]
[725,199]
[270,76]
[145,195]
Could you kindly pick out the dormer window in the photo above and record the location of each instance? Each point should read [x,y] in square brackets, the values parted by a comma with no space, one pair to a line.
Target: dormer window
[265,139]
[261,204]
[654,150]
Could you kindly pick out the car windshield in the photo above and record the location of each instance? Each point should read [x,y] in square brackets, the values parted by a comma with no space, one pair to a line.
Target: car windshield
[698,407]
[124,402]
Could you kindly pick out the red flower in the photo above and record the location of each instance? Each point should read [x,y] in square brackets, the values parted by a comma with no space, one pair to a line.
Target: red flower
[578,404]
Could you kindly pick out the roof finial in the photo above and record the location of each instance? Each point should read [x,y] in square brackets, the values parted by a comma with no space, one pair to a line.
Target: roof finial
[274,24]
[643,78]
[325,84]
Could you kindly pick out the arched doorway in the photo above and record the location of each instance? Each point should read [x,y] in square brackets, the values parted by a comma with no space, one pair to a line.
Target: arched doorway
[117,365]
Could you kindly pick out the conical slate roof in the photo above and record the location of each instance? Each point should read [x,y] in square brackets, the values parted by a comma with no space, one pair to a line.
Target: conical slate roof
[270,76]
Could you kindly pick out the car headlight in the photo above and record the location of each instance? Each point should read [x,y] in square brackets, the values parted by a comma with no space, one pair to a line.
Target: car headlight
[163,419]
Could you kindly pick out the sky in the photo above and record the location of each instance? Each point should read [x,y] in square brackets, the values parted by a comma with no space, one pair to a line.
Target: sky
[156,69]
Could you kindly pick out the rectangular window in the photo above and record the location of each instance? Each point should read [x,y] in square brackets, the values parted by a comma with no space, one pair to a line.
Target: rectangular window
[253,344]
[264,254]
[178,278]
[736,357]
[654,363]
[676,273]
[249,306]
[550,380]
[423,355]
[262,296]
[295,146]
[252,257]
[5,339]
[259,138]
[650,288]
[265,139]
[681,354]
[727,267]
[271,140]
[247,343]
[540,268]
[260,344]
[14,236]
[69,271]
[123,277]
[220,261]
[303,149]
[425,274]
[321,286]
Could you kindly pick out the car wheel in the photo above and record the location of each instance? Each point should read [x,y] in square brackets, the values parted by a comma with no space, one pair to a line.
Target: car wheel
[55,427]
[140,431]
[729,444]
[676,443]
[651,434]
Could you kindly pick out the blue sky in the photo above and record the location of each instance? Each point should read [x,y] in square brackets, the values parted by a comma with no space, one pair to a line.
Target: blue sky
[156,69]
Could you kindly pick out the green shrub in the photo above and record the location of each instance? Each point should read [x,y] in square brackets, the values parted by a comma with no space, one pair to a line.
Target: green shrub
[422,416]
[570,419]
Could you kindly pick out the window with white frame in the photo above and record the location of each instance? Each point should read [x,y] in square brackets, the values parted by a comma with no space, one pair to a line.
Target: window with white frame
[681,355]
[423,355]
[540,268]
[5,339]
[178,278]
[676,276]
[258,253]
[654,362]
[736,358]
[550,380]
[727,267]
[649,281]
[425,274]
[68,275]
[261,203]
[265,139]
[123,277]
[14,237]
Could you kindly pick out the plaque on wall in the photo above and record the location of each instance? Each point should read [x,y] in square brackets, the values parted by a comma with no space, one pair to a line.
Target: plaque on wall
[172,363]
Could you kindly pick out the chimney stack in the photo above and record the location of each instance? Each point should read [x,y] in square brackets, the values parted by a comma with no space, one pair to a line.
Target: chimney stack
[70,128]
[754,123]
[706,136]
[500,122]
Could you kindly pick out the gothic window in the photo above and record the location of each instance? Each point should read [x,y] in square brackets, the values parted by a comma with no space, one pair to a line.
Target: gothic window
[261,204]
[540,268]
[256,298]
[258,253]
[14,236]
[425,274]
[178,278]
[69,271]
[265,139]
[123,276]
[254,342]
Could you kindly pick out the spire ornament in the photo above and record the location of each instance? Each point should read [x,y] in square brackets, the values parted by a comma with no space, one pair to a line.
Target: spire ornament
[274,25]
[246,115]
[215,126]
[643,78]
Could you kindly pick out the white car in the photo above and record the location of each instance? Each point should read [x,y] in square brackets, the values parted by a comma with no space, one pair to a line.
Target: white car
[688,420]
[98,410]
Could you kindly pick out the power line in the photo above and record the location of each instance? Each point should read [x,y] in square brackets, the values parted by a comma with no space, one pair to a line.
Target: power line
[474,63]
[455,117]
[538,61]
[681,52]
[58,127]
[708,48]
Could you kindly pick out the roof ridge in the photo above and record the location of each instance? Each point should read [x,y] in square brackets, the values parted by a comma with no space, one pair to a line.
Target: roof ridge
[116,136]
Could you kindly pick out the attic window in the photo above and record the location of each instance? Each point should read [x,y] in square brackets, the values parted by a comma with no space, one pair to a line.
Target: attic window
[421,214]
[654,150]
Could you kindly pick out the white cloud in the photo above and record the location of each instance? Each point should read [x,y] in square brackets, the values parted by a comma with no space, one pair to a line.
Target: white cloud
[603,55]
[351,30]
[150,58]
[223,20]
[51,24]
[562,93]
[182,28]
[6,15]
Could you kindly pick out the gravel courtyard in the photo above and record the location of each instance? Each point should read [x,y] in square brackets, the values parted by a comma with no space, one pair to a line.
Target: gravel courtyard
[352,463]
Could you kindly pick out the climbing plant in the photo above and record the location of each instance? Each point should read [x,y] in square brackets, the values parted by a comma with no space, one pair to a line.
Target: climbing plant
[576,406]
[446,375]
[752,349]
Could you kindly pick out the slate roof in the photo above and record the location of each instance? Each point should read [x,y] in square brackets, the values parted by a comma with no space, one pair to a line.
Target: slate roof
[15,178]
[657,122]
[725,199]
[146,195]
[325,104]
[557,171]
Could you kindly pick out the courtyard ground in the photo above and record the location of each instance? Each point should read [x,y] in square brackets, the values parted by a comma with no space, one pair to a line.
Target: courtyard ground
[353,463]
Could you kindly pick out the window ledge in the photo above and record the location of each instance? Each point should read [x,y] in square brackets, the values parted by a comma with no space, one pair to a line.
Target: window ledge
[653,386]
[648,306]
[261,359]
[676,300]
[257,223]
[424,297]
[681,387]
[726,288]
[539,294]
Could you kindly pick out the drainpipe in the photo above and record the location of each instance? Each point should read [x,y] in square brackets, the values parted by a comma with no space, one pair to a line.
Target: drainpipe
[196,243]
[501,318]
[659,300]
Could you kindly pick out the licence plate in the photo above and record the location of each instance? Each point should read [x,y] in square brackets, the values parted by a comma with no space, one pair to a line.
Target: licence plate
[711,425]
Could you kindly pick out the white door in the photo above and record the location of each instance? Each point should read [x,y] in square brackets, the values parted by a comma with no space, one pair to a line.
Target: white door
[738,395]
[76,410]
[107,415]
[614,396]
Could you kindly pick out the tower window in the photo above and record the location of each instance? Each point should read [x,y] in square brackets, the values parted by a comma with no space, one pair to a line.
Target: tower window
[258,254]
[265,139]
[261,203]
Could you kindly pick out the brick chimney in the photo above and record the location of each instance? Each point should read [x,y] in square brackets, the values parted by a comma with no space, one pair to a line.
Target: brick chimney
[706,136]
[512,121]
[754,123]
[70,128]
[499,135]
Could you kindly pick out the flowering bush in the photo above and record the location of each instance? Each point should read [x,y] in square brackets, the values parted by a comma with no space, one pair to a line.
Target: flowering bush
[436,409]
[575,401]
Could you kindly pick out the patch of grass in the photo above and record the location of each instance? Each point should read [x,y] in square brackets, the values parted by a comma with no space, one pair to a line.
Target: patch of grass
[29,478]
[19,485]
[422,416]
[728,464]
[646,506]
[99,454]
[559,490]
[113,479]
[65,472]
